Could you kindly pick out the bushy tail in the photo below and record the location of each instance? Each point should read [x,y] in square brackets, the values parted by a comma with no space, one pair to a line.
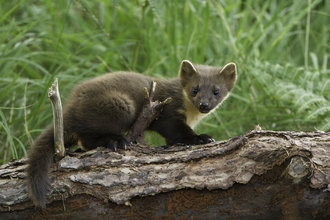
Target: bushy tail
[40,157]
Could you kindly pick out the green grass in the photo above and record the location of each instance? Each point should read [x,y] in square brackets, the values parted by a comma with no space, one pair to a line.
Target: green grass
[281,49]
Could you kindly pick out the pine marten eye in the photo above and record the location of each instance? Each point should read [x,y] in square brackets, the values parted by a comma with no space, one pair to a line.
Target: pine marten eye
[194,91]
[216,92]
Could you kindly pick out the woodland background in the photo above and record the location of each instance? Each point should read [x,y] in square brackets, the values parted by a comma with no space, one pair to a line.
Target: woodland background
[281,49]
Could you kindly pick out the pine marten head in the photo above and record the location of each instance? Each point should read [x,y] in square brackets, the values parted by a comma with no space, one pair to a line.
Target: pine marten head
[207,86]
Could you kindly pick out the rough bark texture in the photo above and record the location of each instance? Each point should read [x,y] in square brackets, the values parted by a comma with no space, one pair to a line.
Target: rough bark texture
[259,175]
[55,98]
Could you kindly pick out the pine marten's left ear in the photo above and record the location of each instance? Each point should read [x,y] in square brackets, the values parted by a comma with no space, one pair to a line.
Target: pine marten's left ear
[187,70]
[229,75]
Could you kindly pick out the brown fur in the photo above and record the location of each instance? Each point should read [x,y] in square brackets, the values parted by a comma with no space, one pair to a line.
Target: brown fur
[101,110]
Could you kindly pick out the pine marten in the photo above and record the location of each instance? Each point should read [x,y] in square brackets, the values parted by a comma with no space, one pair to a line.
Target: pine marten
[101,110]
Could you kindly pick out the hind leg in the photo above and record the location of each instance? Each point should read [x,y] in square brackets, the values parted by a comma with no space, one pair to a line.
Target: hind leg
[102,121]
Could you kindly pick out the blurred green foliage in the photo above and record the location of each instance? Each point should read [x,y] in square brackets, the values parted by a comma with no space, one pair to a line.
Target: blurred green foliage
[281,49]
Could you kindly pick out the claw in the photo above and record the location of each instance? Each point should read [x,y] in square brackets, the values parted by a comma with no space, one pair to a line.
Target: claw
[118,142]
[205,139]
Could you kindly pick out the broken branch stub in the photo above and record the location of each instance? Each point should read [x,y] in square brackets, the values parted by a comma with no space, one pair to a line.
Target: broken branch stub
[151,110]
[54,96]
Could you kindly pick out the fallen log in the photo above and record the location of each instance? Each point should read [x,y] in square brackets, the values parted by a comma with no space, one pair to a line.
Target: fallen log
[261,174]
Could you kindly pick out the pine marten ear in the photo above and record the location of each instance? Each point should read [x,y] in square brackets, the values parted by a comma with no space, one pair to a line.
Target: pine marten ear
[187,70]
[229,75]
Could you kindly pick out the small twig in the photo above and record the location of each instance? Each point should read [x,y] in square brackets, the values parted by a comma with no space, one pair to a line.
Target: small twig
[54,95]
[151,110]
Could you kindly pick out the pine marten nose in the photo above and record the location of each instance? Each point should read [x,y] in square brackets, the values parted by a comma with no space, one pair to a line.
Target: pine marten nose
[203,105]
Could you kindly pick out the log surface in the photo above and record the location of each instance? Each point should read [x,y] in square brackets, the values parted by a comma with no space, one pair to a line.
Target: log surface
[255,168]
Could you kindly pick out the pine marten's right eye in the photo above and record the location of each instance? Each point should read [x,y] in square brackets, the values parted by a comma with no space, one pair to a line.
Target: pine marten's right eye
[194,91]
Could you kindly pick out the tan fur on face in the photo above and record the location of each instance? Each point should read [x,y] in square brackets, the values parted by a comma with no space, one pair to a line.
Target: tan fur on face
[191,112]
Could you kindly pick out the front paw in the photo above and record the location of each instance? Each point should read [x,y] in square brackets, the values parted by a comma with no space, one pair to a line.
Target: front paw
[204,139]
[118,141]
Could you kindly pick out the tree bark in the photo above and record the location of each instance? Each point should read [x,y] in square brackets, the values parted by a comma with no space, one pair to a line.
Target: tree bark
[261,174]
